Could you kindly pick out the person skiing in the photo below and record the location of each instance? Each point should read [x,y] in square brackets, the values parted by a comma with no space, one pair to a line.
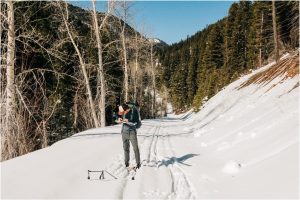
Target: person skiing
[129,134]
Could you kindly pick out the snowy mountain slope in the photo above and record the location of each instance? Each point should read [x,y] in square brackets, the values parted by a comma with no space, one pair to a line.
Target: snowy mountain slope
[242,144]
[157,41]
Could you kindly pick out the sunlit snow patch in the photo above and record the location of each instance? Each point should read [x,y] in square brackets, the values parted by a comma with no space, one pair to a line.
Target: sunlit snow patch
[232,167]
[200,132]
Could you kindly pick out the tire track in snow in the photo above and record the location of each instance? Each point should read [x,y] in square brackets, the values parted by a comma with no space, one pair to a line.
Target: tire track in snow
[118,169]
[181,185]
[149,149]
[145,140]
[152,161]
[156,179]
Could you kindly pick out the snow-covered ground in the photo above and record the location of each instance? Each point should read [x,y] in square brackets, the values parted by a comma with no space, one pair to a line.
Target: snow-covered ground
[242,144]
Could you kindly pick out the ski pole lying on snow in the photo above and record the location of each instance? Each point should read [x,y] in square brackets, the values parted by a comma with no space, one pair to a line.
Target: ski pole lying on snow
[111,175]
[101,175]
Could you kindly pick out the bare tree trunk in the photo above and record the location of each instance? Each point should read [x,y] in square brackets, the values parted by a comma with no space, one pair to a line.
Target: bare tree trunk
[45,135]
[75,110]
[100,62]
[121,12]
[2,120]
[82,66]
[126,87]
[123,17]
[136,66]
[10,76]
[275,31]
[153,82]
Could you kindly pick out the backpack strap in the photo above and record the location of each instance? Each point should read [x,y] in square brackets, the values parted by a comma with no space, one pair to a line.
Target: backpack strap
[131,116]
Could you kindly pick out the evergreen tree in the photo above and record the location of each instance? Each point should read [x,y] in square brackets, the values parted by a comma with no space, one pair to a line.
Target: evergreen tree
[192,75]
[221,52]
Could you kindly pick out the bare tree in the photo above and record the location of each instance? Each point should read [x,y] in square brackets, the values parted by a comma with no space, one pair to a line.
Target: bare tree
[138,45]
[20,129]
[100,70]
[123,38]
[122,11]
[153,78]
[28,107]
[65,16]
[9,133]
[136,67]
[2,100]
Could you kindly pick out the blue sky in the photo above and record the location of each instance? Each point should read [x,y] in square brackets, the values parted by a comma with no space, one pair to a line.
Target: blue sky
[172,21]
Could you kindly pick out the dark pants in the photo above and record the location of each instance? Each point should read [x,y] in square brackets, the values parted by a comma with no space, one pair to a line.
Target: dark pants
[129,135]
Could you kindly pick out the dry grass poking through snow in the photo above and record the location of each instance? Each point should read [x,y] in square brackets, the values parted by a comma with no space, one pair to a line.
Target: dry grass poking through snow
[286,68]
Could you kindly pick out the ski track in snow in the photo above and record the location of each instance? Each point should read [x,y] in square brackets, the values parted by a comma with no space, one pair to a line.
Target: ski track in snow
[181,187]
[152,149]
[155,147]
[118,169]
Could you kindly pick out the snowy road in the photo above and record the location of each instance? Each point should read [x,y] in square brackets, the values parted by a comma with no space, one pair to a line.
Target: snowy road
[161,175]
[61,170]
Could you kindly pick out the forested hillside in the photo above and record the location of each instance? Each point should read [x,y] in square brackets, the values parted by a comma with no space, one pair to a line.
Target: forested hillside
[197,68]
[64,70]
